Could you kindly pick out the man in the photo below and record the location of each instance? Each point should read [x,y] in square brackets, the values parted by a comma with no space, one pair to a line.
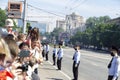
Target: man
[76,62]
[114,65]
[60,56]
[47,51]
[9,24]
[54,54]
[9,27]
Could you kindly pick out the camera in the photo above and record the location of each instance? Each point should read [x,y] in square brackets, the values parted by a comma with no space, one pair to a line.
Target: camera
[24,67]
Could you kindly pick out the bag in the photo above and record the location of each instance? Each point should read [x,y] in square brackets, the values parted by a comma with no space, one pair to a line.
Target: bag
[4,74]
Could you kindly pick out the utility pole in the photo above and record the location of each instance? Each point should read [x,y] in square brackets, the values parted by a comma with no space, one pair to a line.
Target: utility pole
[24,16]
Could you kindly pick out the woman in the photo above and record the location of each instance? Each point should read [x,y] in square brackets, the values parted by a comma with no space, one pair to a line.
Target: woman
[34,34]
[5,57]
[8,63]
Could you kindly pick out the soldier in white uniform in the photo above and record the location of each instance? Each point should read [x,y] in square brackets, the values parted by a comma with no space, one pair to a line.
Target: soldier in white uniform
[47,51]
[54,54]
[76,61]
[60,56]
[114,65]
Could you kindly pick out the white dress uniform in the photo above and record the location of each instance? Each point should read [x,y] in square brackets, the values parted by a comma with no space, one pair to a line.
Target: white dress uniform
[114,68]
[59,59]
[47,51]
[76,62]
[54,55]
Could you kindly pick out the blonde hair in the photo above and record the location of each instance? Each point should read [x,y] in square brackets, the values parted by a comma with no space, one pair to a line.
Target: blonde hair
[4,49]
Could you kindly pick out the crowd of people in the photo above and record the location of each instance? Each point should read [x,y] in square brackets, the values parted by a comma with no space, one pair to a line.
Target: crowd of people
[21,54]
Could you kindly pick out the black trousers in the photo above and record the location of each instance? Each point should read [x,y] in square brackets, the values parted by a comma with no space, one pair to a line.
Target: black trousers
[47,56]
[75,70]
[36,70]
[59,63]
[43,53]
[111,77]
[54,59]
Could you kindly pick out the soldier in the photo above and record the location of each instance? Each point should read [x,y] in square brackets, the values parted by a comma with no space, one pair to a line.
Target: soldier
[114,65]
[60,56]
[54,55]
[47,51]
[76,61]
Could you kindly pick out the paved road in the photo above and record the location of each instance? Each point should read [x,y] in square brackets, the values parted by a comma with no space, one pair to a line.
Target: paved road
[93,65]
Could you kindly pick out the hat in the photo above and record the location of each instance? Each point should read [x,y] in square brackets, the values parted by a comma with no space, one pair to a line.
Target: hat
[24,53]
[114,48]
[9,22]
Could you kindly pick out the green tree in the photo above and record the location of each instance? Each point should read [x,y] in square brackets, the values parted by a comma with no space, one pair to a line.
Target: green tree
[3,17]
[56,32]
[27,26]
[95,34]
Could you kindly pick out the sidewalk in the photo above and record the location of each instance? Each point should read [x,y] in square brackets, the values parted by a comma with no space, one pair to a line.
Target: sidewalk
[48,72]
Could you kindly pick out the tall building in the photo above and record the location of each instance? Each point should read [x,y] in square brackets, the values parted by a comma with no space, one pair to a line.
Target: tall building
[74,21]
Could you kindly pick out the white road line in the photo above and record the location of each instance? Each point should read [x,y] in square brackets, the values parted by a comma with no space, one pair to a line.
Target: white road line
[61,72]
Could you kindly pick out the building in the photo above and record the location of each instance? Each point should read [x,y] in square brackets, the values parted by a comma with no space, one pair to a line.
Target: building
[115,20]
[61,23]
[74,21]
[41,25]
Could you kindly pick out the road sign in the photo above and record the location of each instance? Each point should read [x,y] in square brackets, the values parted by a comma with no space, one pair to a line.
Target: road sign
[14,9]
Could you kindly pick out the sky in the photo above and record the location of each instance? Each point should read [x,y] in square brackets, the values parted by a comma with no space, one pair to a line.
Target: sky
[85,8]
[43,10]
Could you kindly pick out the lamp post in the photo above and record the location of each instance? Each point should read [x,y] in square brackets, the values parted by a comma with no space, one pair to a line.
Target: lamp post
[24,16]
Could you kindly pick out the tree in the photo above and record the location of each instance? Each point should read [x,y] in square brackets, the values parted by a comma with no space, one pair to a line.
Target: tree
[3,17]
[98,33]
[56,32]
[27,26]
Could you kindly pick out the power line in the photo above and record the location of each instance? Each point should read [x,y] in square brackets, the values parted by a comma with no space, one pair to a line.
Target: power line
[44,10]
[41,16]
[71,2]
[79,4]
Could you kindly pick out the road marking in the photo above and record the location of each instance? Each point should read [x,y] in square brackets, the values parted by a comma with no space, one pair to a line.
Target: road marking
[61,72]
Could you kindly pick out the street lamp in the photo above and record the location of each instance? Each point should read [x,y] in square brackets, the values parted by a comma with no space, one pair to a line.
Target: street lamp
[24,16]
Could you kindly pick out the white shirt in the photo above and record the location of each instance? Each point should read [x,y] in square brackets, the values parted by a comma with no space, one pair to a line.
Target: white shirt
[77,56]
[115,67]
[47,48]
[60,53]
[55,51]
[44,47]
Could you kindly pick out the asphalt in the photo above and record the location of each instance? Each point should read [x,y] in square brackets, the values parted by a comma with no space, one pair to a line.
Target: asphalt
[49,72]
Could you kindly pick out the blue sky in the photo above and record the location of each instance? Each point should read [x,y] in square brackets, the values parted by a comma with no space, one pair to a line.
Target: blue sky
[85,8]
